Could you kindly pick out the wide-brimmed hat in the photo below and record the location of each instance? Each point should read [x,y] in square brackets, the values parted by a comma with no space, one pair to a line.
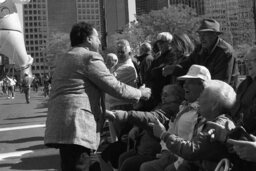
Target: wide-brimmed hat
[197,71]
[209,25]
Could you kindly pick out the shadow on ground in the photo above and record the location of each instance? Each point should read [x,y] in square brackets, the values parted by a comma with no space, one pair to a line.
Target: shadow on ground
[35,147]
[23,140]
[29,117]
[42,105]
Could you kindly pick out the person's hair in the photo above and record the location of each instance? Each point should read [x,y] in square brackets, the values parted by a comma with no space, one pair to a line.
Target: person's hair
[112,55]
[165,36]
[80,32]
[146,47]
[177,91]
[124,43]
[221,94]
[183,44]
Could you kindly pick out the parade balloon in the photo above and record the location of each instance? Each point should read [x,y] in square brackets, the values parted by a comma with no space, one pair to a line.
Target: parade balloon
[12,42]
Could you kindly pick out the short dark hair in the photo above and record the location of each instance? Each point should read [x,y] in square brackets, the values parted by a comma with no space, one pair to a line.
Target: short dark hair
[79,32]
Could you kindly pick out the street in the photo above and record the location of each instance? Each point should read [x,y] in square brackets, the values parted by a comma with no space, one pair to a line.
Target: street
[22,128]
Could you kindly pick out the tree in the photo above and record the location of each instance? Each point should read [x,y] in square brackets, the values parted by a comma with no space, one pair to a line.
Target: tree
[57,44]
[178,18]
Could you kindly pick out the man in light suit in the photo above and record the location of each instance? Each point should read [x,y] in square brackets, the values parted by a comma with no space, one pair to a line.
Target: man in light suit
[76,108]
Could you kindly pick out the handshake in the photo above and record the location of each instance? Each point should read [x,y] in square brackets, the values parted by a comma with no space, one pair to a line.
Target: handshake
[145,92]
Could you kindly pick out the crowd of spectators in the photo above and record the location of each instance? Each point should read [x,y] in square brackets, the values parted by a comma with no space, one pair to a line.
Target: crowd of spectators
[174,106]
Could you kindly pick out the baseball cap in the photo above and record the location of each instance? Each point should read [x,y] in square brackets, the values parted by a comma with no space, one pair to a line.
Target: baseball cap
[197,71]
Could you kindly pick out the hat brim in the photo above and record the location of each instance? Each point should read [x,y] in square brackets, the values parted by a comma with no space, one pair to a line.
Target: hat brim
[209,30]
[189,77]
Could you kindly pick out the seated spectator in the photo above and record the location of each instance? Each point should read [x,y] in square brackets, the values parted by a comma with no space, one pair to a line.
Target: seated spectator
[200,152]
[186,118]
[111,61]
[147,146]
[244,111]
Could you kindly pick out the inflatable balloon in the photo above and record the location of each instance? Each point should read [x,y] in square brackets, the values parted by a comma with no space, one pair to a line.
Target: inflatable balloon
[11,36]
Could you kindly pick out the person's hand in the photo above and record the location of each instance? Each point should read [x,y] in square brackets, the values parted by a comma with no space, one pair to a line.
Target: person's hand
[168,70]
[110,115]
[133,133]
[246,150]
[145,92]
[218,132]
[158,128]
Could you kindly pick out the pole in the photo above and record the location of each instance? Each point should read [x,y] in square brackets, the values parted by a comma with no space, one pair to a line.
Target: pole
[254,17]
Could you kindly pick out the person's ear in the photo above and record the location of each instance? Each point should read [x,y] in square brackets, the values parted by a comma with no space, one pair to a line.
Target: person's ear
[89,39]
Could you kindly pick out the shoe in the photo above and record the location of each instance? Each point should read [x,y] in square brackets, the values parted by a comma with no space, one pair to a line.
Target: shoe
[8,97]
[12,97]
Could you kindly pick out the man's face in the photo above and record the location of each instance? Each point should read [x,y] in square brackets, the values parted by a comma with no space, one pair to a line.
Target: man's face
[207,39]
[122,52]
[95,41]
[193,88]
[250,62]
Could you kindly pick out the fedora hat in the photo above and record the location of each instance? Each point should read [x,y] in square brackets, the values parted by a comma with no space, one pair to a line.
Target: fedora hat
[209,25]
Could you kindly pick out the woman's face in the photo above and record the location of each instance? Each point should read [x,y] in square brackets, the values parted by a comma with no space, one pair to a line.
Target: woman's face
[163,46]
[168,95]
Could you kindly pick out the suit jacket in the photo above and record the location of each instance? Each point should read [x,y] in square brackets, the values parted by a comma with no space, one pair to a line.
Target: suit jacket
[75,112]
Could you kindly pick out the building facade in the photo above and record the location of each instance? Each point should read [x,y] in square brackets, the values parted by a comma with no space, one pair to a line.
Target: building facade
[118,13]
[236,18]
[45,17]
[36,33]
[198,5]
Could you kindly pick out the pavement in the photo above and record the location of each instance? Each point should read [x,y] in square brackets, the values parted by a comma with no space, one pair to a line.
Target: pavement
[22,128]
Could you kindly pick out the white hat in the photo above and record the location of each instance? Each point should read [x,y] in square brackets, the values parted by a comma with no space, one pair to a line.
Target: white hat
[197,71]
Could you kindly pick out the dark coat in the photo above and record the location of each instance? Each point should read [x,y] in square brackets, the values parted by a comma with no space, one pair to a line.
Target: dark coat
[219,61]
[155,80]
[246,105]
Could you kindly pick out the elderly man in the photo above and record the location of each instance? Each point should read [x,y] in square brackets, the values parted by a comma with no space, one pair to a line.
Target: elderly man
[213,53]
[76,106]
[200,152]
[125,72]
